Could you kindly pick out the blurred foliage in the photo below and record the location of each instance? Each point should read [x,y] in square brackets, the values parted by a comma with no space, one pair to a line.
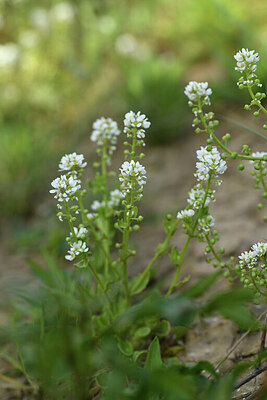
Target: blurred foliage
[68,347]
[64,63]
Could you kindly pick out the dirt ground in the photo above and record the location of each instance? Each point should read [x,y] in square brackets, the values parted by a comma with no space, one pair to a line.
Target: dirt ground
[239,223]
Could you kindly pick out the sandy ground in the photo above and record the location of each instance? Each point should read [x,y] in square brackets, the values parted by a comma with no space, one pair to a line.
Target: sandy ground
[239,223]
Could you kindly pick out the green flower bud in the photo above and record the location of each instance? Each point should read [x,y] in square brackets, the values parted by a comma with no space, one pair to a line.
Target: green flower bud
[241,167]
[234,155]
[256,113]
[246,107]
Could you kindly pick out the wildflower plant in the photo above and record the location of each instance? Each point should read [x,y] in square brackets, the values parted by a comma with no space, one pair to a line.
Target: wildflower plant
[116,310]
[118,208]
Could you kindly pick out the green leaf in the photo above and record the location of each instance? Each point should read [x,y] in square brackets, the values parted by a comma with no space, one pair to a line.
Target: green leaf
[231,305]
[162,248]
[142,332]
[174,256]
[140,282]
[163,328]
[200,287]
[153,360]
[41,272]
[204,366]
[125,347]
[138,355]
[15,363]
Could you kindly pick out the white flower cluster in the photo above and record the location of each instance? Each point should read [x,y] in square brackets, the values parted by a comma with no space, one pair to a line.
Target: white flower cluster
[131,172]
[196,197]
[71,161]
[251,258]
[205,224]
[76,249]
[198,91]
[136,121]
[185,214]
[115,198]
[105,129]
[79,232]
[259,154]
[246,62]
[210,162]
[65,188]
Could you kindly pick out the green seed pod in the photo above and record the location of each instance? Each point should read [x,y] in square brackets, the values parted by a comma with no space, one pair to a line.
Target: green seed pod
[197,130]
[246,107]
[256,113]
[241,167]
[234,155]
[226,274]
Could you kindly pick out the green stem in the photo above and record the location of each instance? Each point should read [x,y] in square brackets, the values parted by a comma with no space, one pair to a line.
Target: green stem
[189,237]
[179,267]
[105,195]
[255,100]
[69,219]
[101,284]
[209,131]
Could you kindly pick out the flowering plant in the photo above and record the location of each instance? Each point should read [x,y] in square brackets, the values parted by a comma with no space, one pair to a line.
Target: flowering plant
[107,327]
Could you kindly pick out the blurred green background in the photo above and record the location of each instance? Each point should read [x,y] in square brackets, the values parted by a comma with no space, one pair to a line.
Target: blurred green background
[65,63]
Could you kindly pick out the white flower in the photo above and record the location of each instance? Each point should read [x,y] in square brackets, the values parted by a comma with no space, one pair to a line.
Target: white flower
[252,257]
[205,224]
[70,161]
[259,154]
[209,162]
[138,121]
[28,38]
[247,258]
[106,24]
[65,187]
[115,198]
[9,54]
[246,60]
[196,197]
[105,129]
[259,249]
[40,18]
[132,171]
[97,204]
[90,215]
[185,214]
[76,249]
[62,12]
[79,232]
[198,90]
